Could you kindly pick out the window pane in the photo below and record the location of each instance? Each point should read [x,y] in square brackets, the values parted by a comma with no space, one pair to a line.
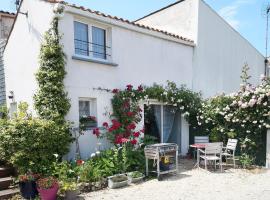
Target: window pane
[84,108]
[81,38]
[99,42]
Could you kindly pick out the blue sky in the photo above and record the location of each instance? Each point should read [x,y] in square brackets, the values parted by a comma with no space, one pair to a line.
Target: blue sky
[244,15]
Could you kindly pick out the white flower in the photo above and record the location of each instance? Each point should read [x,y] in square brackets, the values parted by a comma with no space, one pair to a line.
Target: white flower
[56,155]
[222,130]
[244,105]
[182,108]
[93,155]
[165,93]
[248,131]
[254,122]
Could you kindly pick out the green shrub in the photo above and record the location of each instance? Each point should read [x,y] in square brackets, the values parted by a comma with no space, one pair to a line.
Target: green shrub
[30,144]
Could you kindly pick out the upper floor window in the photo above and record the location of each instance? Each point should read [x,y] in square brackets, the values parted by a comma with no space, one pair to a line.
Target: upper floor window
[99,42]
[81,39]
[90,41]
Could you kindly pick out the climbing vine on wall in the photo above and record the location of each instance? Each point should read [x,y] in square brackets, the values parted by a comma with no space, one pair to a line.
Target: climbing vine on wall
[127,112]
[51,101]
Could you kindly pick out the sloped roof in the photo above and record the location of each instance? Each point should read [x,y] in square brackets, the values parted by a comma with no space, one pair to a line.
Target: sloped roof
[123,20]
[6,12]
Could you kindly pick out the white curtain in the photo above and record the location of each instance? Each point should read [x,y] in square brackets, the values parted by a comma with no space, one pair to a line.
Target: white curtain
[99,42]
[157,113]
[81,38]
[168,121]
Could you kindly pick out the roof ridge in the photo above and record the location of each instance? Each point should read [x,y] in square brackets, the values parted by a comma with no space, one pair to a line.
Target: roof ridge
[161,9]
[7,12]
[122,20]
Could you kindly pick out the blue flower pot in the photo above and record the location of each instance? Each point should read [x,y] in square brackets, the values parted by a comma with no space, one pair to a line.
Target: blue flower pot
[28,189]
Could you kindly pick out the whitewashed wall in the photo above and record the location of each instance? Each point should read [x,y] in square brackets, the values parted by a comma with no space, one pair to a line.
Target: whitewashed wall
[141,59]
[220,51]
[22,50]
[220,55]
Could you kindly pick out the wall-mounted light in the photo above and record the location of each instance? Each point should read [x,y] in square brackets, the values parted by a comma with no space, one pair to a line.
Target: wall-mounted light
[17,3]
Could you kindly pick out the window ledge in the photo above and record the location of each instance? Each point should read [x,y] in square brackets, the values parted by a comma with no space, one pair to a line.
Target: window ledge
[94,61]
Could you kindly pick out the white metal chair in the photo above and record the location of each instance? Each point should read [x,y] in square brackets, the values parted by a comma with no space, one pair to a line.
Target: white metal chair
[212,152]
[229,150]
[200,140]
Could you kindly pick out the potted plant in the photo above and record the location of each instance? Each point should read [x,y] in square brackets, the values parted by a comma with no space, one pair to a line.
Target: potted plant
[27,185]
[47,188]
[134,177]
[88,122]
[117,181]
[69,188]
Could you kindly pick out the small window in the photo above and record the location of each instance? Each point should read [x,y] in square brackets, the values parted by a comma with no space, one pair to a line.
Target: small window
[81,39]
[87,113]
[99,42]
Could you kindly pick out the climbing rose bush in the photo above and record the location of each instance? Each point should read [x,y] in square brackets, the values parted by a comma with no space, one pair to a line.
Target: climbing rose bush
[244,115]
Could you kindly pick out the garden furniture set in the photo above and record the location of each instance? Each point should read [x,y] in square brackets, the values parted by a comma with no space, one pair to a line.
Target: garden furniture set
[213,152]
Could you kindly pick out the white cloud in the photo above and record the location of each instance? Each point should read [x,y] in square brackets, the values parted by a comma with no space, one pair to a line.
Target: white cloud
[229,13]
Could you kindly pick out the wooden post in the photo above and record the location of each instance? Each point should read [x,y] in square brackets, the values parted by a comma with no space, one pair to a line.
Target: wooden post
[268,149]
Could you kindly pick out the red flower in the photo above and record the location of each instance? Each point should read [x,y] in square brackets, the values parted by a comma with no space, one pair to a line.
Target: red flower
[126,104]
[129,87]
[105,124]
[80,162]
[131,126]
[136,134]
[118,139]
[130,114]
[133,141]
[116,124]
[115,91]
[96,132]
[142,131]
[140,88]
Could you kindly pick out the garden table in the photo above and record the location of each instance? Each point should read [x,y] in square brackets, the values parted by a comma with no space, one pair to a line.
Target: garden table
[198,146]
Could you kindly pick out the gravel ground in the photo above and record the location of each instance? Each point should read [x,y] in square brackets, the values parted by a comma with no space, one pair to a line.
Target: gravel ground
[195,184]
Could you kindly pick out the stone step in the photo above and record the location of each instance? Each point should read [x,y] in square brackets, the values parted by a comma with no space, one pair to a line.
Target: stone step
[5,183]
[6,172]
[6,194]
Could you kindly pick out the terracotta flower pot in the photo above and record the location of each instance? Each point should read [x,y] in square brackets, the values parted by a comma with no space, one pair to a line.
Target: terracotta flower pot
[28,189]
[49,194]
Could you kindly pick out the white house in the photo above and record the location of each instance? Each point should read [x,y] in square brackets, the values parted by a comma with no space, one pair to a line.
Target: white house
[220,51]
[108,52]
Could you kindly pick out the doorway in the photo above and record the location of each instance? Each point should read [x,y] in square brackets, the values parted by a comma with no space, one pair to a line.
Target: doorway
[163,122]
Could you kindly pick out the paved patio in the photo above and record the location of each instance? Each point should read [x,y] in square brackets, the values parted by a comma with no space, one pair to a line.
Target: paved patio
[193,184]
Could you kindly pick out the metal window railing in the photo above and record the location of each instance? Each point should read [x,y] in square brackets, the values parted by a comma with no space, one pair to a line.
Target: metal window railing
[92,49]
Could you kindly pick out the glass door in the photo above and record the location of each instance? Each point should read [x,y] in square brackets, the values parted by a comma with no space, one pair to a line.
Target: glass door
[164,123]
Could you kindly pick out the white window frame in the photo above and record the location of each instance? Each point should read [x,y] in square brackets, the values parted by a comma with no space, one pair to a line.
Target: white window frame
[108,39]
[92,104]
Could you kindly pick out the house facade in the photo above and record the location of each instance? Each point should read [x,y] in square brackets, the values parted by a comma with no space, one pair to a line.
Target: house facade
[220,51]
[105,52]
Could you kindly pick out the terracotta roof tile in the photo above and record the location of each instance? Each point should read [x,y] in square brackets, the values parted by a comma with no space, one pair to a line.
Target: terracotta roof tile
[6,12]
[122,20]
